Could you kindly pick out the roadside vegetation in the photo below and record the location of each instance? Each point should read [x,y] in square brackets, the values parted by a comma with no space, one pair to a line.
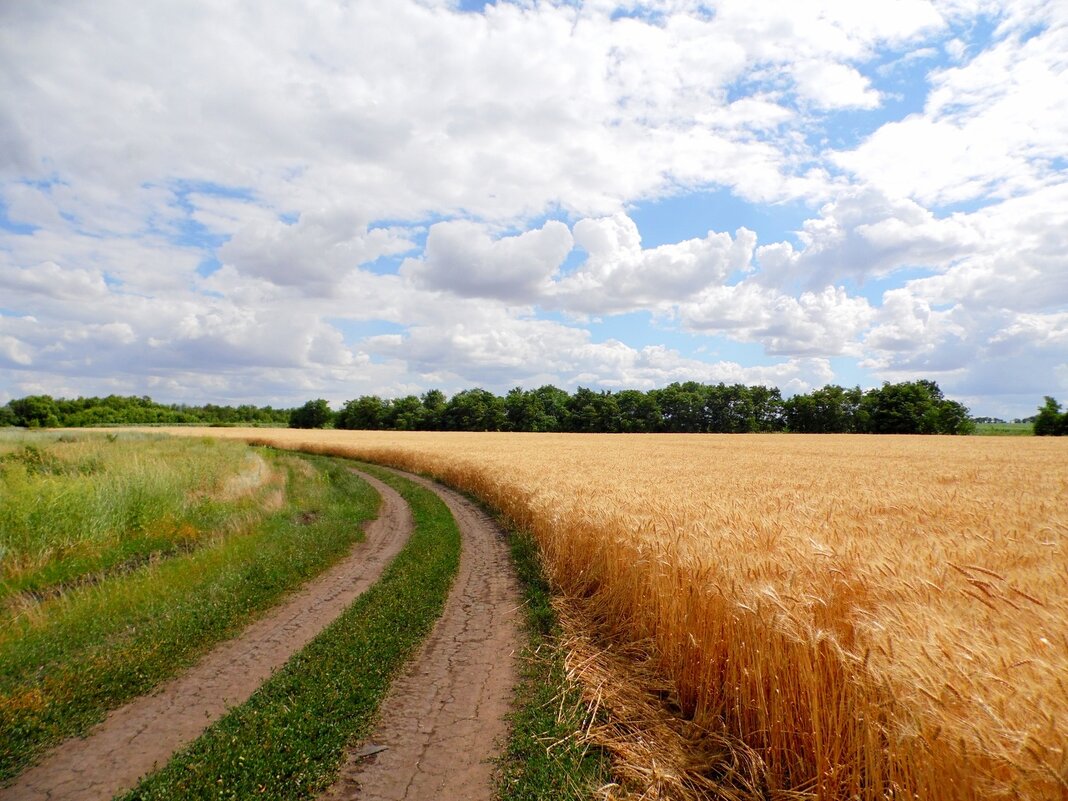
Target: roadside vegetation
[546,757]
[138,554]
[76,507]
[287,740]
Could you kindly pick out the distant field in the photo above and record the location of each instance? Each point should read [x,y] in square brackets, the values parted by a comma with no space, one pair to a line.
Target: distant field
[1005,429]
[863,615]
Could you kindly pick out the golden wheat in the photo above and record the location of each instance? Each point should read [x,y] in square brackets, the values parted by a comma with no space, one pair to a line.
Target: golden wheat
[873,616]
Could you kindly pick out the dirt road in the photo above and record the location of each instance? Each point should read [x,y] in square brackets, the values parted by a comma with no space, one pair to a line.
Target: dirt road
[444,717]
[135,738]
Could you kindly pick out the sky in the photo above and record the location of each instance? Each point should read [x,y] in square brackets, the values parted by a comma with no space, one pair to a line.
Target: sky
[232,202]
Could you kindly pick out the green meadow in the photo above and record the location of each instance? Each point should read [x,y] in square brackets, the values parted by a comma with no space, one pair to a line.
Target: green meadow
[127,556]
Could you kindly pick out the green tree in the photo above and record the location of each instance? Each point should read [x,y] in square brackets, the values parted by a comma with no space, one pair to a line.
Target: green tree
[912,407]
[553,404]
[830,410]
[474,410]
[404,414]
[313,414]
[35,411]
[767,408]
[638,411]
[683,406]
[954,418]
[1050,422]
[368,412]
[593,412]
[521,410]
[433,401]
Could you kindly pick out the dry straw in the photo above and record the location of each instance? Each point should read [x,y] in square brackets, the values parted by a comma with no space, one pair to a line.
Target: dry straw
[836,617]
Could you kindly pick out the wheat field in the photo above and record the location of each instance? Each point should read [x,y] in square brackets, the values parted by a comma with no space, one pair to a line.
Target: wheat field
[874,617]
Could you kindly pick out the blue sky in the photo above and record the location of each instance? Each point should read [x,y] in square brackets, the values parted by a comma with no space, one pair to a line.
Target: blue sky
[201,203]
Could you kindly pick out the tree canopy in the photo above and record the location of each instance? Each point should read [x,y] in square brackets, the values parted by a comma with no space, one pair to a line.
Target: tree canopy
[912,407]
[1050,421]
[916,407]
[44,411]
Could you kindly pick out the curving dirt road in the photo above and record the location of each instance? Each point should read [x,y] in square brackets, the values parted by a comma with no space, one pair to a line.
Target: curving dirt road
[444,717]
[135,738]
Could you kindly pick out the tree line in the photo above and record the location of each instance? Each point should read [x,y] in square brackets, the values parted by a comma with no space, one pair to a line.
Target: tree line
[44,411]
[913,407]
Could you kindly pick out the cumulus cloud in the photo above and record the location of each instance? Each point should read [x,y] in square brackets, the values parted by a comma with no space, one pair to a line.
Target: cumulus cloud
[864,234]
[498,350]
[316,253]
[619,275]
[460,256]
[52,281]
[13,352]
[830,85]
[825,323]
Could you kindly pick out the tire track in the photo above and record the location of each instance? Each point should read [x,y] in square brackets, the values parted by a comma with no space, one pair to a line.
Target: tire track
[142,735]
[444,717]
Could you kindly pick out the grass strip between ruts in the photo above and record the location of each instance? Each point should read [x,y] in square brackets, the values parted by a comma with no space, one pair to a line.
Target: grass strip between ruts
[543,759]
[115,641]
[287,740]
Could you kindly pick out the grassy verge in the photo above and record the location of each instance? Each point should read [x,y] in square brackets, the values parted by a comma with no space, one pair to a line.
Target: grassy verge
[76,507]
[286,741]
[67,660]
[543,758]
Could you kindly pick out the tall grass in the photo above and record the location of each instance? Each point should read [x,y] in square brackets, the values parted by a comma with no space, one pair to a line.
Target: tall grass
[73,506]
[867,617]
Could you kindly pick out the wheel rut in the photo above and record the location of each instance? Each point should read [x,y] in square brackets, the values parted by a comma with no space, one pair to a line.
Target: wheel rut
[444,717]
[141,736]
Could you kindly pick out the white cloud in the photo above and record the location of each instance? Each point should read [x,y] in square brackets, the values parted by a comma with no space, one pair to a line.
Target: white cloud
[497,350]
[461,257]
[318,252]
[829,85]
[990,127]
[619,275]
[13,352]
[864,234]
[825,323]
[52,281]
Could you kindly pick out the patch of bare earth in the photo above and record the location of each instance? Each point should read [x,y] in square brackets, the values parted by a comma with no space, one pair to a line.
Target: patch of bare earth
[444,719]
[142,735]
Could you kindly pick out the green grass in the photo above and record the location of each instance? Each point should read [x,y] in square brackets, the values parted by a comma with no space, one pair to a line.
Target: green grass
[543,760]
[1004,429]
[286,741]
[65,661]
[74,506]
